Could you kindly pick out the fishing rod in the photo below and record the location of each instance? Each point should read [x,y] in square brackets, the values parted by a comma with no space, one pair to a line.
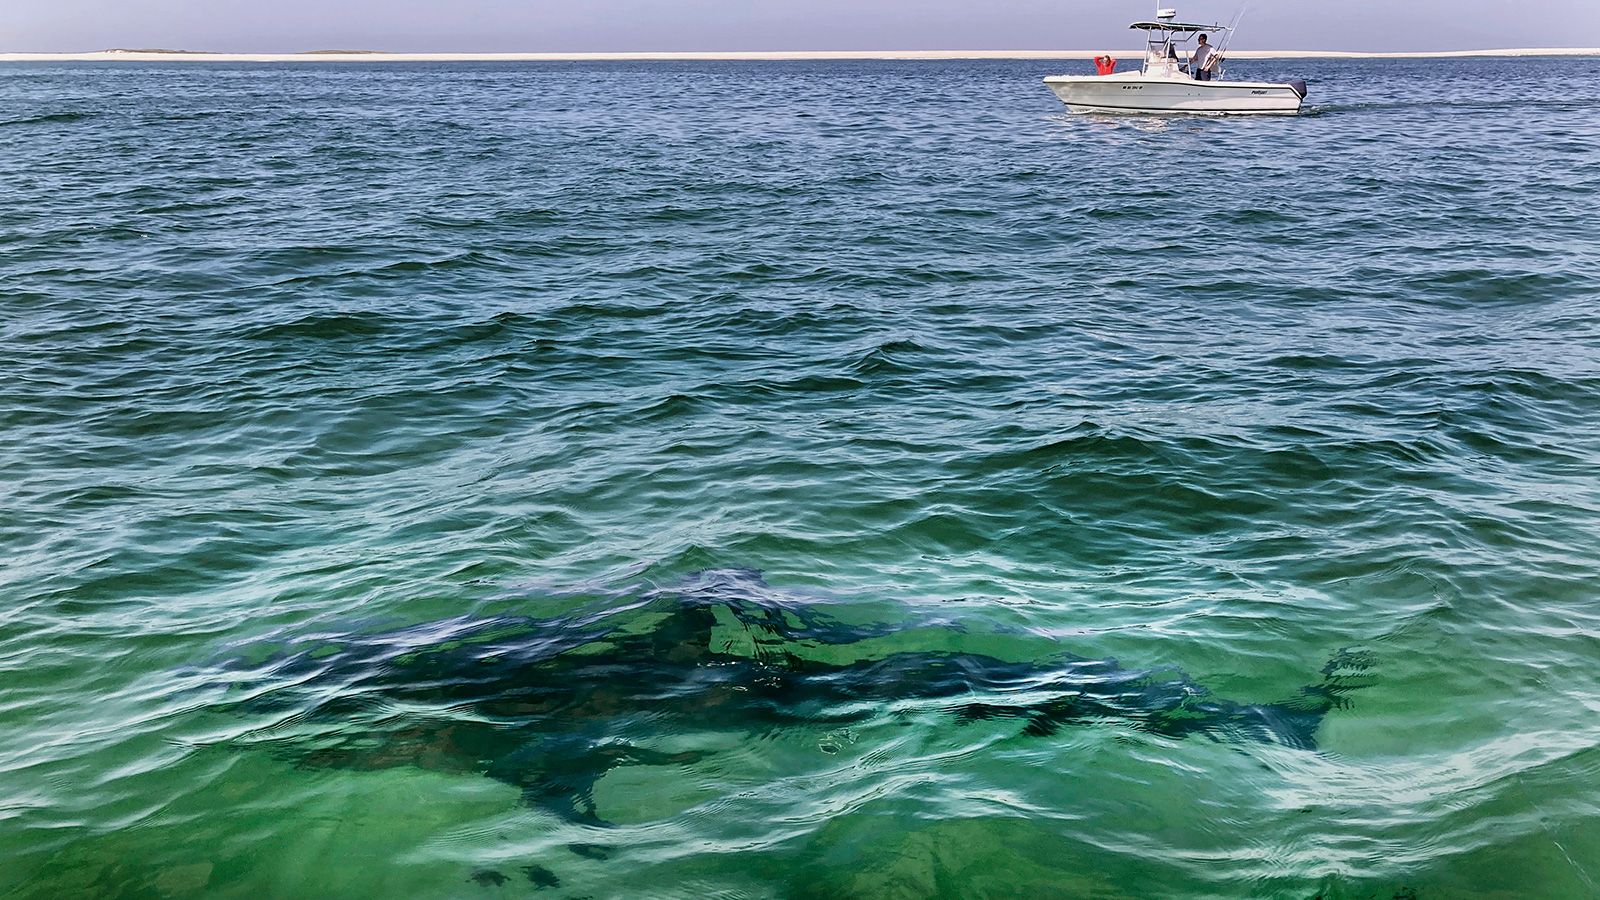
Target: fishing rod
[1233,29]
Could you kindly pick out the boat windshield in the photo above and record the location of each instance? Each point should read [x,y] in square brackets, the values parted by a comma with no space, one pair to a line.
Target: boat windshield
[1168,43]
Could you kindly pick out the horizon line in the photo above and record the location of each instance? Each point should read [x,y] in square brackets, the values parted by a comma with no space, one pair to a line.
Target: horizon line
[162,55]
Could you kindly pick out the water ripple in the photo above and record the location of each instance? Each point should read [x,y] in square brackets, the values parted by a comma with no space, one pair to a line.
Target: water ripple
[411,357]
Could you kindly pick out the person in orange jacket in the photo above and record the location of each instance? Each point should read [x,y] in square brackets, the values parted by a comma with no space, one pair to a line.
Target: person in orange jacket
[1105,65]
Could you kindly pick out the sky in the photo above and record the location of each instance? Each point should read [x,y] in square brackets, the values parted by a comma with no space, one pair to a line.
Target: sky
[262,26]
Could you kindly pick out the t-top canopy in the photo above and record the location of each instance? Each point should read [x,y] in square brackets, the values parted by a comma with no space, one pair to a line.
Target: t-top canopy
[1175,26]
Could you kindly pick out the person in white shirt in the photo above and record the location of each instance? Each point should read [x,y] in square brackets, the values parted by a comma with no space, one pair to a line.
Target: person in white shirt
[1203,60]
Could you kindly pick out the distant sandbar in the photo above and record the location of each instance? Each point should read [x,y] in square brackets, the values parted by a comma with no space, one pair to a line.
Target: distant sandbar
[377,56]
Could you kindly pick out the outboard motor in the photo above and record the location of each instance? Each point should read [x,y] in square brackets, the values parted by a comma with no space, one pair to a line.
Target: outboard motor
[1299,87]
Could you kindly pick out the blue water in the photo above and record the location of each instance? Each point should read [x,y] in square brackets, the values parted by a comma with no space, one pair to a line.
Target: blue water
[333,395]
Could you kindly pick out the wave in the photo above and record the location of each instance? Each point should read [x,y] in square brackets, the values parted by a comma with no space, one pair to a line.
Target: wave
[1478,286]
[395,270]
[889,358]
[50,119]
[323,327]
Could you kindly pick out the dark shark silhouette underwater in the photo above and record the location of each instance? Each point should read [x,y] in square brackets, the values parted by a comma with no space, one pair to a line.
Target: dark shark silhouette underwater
[545,705]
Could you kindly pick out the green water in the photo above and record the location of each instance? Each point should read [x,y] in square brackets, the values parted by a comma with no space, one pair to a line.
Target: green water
[300,362]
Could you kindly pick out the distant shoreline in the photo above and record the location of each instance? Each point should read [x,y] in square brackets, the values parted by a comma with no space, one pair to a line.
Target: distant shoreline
[322,56]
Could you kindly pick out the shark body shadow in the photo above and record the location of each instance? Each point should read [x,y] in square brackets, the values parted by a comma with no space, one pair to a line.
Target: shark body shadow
[540,704]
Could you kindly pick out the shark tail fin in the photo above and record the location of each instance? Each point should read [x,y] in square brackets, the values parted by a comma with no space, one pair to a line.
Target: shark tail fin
[1295,723]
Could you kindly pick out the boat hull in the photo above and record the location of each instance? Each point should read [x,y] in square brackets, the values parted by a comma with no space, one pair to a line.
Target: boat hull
[1142,95]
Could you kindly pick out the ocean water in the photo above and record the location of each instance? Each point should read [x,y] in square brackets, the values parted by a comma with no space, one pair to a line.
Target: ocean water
[341,403]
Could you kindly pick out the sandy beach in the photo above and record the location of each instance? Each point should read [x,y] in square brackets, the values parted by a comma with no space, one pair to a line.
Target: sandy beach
[778,55]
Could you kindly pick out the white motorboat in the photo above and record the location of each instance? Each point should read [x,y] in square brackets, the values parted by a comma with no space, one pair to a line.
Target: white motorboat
[1171,80]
